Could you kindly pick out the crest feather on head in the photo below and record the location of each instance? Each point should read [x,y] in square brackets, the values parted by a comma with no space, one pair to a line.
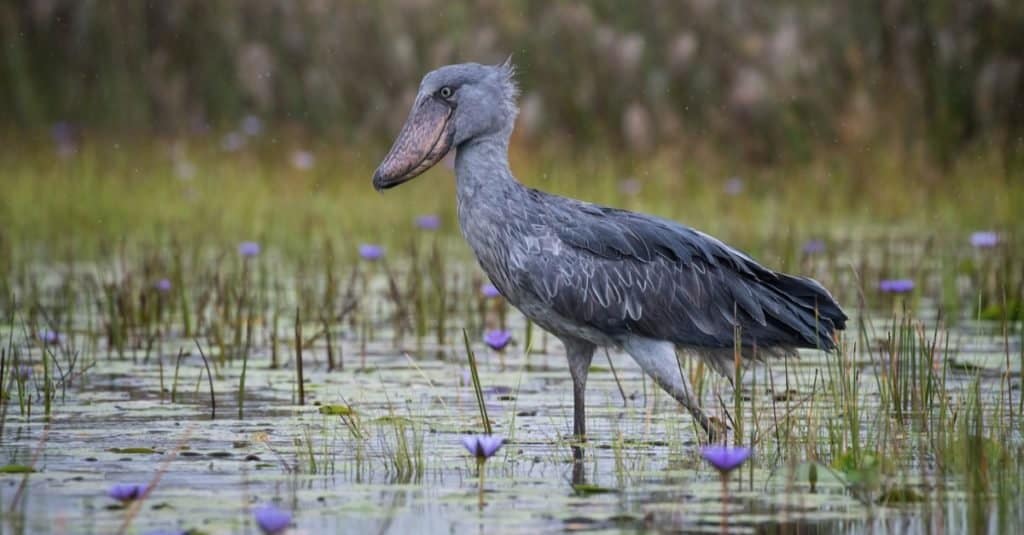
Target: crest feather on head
[508,72]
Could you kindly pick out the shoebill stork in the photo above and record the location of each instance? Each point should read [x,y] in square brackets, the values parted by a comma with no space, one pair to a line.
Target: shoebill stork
[595,276]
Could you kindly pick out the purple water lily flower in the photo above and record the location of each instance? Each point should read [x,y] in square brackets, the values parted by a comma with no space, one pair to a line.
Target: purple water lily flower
[985,239]
[724,458]
[369,251]
[249,249]
[65,136]
[252,125]
[62,133]
[489,291]
[630,186]
[896,286]
[482,446]
[126,492]
[428,222]
[233,142]
[163,285]
[497,339]
[303,160]
[23,373]
[814,246]
[49,337]
[733,186]
[272,520]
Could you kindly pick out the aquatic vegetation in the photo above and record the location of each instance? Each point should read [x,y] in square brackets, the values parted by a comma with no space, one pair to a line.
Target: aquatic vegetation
[814,246]
[725,459]
[23,372]
[489,290]
[482,446]
[49,337]
[163,285]
[371,252]
[271,519]
[126,492]
[733,186]
[497,339]
[303,160]
[252,125]
[249,249]
[984,239]
[233,142]
[837,435]
[428,222]
[896,286]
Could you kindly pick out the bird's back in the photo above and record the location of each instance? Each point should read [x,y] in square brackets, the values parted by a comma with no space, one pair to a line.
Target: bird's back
[571,265]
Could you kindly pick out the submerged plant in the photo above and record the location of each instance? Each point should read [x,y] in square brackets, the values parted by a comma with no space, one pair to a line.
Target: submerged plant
[497,339]
[896,286]
[272,520]
[482,447]
[369,251]
[126,492]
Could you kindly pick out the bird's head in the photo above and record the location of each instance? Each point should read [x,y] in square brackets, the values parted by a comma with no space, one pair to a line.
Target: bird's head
[455,104]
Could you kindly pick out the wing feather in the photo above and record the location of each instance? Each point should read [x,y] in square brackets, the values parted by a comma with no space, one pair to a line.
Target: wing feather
[623,272]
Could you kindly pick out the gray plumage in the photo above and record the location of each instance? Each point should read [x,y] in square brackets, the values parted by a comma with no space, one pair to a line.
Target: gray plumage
[597,276]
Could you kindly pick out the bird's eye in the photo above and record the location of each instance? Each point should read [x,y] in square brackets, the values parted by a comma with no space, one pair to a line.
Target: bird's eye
[445,92]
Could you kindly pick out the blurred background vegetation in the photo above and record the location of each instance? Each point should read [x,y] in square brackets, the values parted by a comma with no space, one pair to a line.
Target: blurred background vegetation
[761,81]
[231,120]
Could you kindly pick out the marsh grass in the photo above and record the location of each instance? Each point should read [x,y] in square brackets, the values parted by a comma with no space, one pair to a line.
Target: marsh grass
[902,415]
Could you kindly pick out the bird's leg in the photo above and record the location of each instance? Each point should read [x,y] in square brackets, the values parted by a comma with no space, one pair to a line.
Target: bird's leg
[658,360]
[579,353]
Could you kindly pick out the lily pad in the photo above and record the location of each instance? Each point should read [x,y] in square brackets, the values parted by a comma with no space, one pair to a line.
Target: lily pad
[133,451]
[587,489]
[16,469]
[337,410]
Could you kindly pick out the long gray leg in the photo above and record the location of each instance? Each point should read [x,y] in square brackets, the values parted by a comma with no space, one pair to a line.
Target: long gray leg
[658,359]
[579,353]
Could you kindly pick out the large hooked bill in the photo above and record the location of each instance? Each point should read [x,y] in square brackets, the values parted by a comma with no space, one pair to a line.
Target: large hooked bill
[424,140]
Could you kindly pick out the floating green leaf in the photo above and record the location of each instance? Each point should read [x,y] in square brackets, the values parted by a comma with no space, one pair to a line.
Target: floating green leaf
[133,451]
[16,469]
[337,410]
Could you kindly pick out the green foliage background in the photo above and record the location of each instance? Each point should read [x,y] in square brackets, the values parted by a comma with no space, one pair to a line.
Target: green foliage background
[761,81]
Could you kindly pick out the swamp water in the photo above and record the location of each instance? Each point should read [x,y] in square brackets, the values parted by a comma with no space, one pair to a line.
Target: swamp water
[912,428]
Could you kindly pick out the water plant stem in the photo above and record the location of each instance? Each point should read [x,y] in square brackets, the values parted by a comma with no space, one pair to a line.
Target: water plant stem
[209,378]
[724,524]
[298,356]
[476,383]
[480,462]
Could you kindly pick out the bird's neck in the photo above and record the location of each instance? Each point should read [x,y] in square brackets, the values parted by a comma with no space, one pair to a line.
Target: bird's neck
[489,200]
[481,165]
